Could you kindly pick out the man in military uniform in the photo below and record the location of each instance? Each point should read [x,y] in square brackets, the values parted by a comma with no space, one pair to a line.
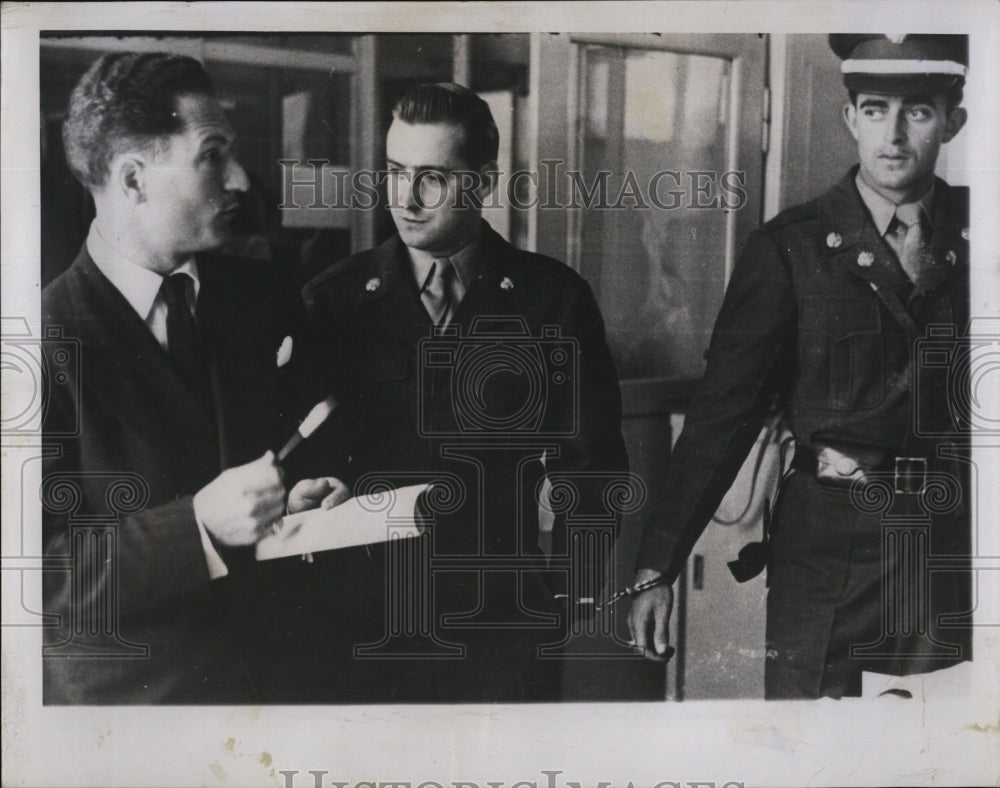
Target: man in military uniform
[460,359]
[825,311]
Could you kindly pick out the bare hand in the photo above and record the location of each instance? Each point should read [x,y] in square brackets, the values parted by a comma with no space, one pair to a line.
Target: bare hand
[649,617]
[241,503]
[325,492]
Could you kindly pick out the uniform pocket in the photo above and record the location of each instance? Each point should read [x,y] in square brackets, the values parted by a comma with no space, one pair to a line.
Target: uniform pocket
[841,351]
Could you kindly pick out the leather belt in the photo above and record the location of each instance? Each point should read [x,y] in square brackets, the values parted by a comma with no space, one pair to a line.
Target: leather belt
[835,467]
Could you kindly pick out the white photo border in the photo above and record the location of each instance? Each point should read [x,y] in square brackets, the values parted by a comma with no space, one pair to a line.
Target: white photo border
[733,742]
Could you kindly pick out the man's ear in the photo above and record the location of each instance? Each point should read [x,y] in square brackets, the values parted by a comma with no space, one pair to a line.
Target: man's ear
[850,113]
[488,175]
[956,120]
[129,177]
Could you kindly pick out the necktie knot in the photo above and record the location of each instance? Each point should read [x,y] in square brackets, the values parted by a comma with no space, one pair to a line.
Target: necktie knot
[183,340]
[438,293]
[909,214]
[440,273]
[175,289]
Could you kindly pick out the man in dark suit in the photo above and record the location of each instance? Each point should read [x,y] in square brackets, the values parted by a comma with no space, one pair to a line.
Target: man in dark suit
[159,476]
[463,361]
[828,310]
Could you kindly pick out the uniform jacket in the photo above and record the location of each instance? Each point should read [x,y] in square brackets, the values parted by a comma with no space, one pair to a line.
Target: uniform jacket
[809,318]
[123,413]
[522,370]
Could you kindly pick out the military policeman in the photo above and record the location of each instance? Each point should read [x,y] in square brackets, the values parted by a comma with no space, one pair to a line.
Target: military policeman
[826,310]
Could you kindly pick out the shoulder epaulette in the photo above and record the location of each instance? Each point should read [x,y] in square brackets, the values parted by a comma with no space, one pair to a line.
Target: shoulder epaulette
[803,212]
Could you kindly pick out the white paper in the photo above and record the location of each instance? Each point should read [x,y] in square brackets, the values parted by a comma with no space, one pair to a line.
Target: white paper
[363,520]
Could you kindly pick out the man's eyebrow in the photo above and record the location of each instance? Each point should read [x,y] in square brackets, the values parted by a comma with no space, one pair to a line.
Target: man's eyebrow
[873,100]
[419,167]
[217,138]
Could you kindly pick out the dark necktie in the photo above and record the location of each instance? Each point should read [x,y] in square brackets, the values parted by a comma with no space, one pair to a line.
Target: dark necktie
[914,253]
[183,341]
[438,293]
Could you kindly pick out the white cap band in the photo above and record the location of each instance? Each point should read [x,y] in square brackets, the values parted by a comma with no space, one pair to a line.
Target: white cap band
[890,66]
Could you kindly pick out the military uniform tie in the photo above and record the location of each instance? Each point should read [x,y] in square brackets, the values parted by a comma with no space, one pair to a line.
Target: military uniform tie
[439,291]
[914,253]
[183,341]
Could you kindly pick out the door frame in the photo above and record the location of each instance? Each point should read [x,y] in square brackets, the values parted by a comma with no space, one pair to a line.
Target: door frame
[554,109]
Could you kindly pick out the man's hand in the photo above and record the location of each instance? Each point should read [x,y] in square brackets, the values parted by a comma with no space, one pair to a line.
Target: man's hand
[326,492]
[649,616]
[240,504]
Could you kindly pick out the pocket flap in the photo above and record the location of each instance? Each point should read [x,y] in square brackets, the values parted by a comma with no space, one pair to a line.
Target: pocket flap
[840,318]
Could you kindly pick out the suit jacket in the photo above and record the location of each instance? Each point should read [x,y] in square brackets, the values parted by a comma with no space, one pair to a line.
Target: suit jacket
[129,443]
[810,320]
[521,372]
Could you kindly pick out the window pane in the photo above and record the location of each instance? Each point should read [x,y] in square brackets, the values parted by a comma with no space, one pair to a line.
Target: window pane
[655,125]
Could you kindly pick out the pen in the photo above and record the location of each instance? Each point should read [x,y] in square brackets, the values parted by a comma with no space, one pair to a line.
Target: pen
[309,425]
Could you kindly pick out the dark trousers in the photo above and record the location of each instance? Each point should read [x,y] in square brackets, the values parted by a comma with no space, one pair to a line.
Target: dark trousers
[864,582]
[338,632]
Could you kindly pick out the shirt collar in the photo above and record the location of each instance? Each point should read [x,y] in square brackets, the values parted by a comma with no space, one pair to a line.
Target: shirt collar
[465,260]
[136,283]
[883,210]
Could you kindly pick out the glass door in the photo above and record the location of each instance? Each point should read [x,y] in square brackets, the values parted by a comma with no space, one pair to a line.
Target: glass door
[649,151]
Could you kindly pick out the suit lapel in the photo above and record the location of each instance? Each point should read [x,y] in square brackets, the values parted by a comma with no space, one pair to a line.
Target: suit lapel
[498,294]
[235,314]
[949,243]
[500,287]
[389,296]
[853,242]
[390,300]
[128,370]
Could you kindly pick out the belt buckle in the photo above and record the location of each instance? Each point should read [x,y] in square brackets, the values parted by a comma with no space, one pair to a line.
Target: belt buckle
[910,475]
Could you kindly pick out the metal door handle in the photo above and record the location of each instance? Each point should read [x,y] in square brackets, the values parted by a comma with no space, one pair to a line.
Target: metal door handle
[698,573]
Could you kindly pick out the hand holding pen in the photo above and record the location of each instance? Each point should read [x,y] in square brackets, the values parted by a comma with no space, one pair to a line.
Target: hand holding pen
[326,491]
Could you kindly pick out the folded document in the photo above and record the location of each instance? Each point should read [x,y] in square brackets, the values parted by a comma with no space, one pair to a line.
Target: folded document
[367,519]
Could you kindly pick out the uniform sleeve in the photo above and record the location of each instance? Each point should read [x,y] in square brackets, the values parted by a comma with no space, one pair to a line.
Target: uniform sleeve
[592,458]
[595,443]
[748,363]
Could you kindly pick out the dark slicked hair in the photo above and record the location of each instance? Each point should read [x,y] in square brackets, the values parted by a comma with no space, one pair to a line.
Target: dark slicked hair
[446,102]
[126,100]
